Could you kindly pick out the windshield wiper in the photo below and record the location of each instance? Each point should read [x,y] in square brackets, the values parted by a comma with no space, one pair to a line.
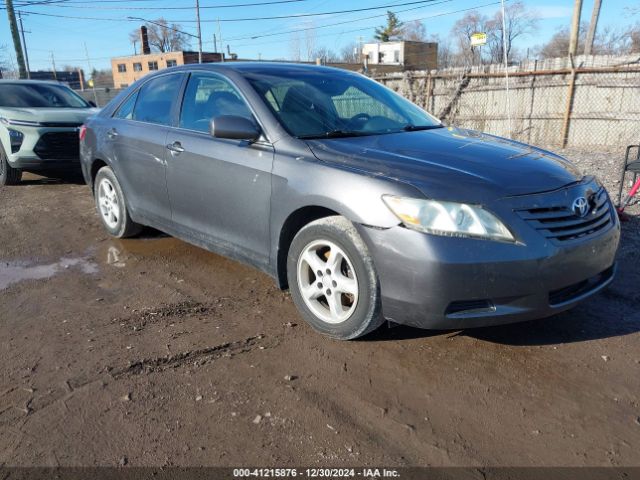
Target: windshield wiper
[415,128]
[332,134]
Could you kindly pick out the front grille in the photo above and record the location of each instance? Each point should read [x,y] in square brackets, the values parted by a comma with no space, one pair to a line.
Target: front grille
[58,146]
[577,290]
[560,223]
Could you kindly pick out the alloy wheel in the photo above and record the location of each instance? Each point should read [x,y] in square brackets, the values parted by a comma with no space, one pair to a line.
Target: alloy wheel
[108,203]
[327,281]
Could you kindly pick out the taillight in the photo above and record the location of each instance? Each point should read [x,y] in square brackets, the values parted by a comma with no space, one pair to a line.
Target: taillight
[82,132]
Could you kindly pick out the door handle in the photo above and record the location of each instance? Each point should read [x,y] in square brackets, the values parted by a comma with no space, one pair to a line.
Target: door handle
[175,148]
[112,133]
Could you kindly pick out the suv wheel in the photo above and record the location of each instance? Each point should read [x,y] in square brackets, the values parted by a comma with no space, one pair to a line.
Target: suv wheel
[8,174]
[112,206]
[333,280]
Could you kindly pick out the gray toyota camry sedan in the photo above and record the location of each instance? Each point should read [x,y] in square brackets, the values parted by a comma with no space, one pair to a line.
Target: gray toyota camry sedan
[362,204]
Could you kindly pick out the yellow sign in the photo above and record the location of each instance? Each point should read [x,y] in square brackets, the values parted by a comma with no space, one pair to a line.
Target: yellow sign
[478,39]
[90,82]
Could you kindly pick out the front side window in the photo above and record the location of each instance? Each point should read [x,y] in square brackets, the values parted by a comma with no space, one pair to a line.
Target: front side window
[137,67]
[125,111]
[319,104]
[155,99]
[207,97]
[153,65]
[122,68]
[39,95]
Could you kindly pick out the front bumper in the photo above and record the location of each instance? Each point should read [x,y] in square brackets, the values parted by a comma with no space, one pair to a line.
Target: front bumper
[45,148]
[438,282]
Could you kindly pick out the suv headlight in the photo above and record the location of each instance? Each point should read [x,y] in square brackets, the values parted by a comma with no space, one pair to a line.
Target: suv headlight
[448,218]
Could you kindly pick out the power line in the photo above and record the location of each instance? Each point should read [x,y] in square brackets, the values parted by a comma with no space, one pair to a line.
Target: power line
[254,37]
[452,12]
[373,26]
[248,19]
[61,4]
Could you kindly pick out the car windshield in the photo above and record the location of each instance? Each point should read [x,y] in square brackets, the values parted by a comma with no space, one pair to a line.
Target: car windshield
[39,95]
[319,104]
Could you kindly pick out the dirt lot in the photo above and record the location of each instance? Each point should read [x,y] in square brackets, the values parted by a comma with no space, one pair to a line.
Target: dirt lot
[154,352]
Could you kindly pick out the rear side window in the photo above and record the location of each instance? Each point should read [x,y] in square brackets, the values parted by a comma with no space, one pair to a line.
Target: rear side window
[155,99]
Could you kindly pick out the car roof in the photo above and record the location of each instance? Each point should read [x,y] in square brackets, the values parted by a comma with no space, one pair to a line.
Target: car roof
[29,82]
[259,67]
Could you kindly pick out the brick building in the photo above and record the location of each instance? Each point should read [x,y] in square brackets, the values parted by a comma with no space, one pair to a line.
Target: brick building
[126,70]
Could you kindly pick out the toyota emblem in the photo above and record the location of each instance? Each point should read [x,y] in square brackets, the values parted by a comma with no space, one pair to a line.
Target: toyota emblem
[580,206]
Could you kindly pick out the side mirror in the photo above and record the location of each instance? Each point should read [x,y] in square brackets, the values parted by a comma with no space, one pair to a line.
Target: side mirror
[92,103]
[234,127]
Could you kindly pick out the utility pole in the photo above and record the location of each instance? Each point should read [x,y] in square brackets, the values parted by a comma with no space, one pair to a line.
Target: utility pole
[199,32]
[220,38]
[93,80]
[16,39]
[53,65]
[24,45]
[215,43]
[575,28]
[591,35]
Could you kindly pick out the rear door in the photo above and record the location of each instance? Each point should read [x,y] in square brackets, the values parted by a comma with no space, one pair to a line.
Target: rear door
[220,189]
[138,132]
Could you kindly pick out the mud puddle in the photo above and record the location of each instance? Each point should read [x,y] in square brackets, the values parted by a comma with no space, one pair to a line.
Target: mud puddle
[15,272]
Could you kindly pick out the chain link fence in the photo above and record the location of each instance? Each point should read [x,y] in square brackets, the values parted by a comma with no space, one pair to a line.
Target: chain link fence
[590,102]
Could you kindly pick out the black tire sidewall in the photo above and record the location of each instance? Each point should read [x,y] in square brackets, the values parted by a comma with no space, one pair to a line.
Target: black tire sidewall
[8,174]
[367,315]
[120,230]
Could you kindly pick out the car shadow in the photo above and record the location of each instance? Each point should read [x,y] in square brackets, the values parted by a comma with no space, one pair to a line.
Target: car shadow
[52,178]
[578,325]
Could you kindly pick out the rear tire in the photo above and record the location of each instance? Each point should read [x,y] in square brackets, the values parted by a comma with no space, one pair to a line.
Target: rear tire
[112,205]
[332,279]
[8,174]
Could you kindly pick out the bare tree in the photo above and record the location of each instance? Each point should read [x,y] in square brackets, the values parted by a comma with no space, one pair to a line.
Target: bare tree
[472,22]
[414,31]
[310,43]
[134,39]
[326,55]
[519,22]
[294,47]
[163,37]
[445,52]
[350,53]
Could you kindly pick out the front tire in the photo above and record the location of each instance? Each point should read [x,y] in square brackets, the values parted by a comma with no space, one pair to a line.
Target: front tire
[112,206]
[8,174]
[332,279]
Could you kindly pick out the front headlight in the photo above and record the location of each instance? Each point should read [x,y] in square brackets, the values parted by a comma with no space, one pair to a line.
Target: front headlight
[448,218]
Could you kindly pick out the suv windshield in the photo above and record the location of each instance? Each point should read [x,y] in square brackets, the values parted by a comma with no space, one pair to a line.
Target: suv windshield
[39,95]
[329,105]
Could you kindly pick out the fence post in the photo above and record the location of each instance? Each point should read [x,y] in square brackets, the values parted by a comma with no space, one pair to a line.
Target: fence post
[569,108]
[427,103]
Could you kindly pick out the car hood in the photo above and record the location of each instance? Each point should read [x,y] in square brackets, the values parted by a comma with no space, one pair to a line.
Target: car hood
[43,115]
[451,163]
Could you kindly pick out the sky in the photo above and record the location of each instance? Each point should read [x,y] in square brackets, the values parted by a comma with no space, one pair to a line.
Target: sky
[106,32]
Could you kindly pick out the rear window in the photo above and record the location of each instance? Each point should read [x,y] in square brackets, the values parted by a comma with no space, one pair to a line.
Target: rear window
[39,95]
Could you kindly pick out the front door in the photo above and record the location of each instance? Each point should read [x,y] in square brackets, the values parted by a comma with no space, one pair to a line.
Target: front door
[219,189]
